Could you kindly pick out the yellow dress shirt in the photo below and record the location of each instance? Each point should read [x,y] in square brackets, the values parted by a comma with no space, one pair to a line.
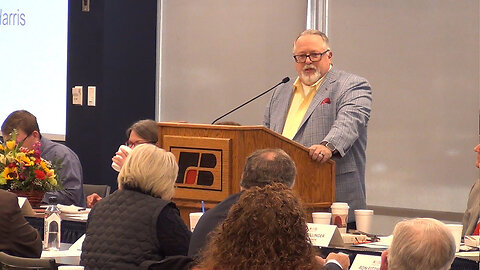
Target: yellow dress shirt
[301,100]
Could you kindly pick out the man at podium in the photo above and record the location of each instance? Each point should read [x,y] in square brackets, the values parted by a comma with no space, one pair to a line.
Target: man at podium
[327,110]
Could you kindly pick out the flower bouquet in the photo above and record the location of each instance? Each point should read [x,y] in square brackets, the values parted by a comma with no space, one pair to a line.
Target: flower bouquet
[24,172]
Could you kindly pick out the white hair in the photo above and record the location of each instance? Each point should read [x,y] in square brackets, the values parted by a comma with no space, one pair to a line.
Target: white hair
[421,243]
[151,170]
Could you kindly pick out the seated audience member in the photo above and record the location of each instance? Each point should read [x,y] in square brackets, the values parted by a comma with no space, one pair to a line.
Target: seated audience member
[471,218]
[262,167]
[421,243]
[17,237]
[138,222]
[143,131]
[265,229]
[70,172]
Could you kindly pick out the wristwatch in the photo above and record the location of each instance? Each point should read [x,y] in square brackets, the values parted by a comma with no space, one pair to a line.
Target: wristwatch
[330,147]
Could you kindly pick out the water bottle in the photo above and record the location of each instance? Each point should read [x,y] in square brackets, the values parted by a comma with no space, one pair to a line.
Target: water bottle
[51,237]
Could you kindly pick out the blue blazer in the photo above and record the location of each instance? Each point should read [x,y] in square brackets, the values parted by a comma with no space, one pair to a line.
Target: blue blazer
[338,114]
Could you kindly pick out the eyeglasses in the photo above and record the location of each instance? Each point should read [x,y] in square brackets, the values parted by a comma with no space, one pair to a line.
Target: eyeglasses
[314,57]
[28,135]
[133,144]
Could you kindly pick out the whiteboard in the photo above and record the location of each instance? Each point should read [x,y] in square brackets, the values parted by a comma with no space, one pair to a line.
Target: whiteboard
[422,60]
[217,54]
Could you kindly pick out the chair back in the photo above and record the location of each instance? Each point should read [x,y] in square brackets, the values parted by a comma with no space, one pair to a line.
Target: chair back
[178,262]
[102,190]
[18,263]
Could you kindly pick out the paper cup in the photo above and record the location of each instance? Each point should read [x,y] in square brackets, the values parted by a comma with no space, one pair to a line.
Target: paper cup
[115,166]
[194,217]
[340,215]
[70,267]
[363,218]
[456,230]
[321,218]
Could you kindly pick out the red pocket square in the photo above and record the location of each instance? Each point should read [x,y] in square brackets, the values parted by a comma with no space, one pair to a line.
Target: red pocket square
[325,101]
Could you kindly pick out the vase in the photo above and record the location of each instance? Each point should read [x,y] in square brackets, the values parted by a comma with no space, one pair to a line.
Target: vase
[34,196]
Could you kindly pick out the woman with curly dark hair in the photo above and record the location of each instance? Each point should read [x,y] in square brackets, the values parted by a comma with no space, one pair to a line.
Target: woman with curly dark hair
[265,229]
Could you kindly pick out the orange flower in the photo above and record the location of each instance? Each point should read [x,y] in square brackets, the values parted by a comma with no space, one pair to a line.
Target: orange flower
[51,173]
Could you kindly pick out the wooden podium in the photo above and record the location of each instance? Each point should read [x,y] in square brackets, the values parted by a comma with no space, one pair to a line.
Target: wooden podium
[211,160]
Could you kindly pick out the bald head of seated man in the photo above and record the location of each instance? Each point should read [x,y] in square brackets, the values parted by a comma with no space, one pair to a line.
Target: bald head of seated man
[421,243]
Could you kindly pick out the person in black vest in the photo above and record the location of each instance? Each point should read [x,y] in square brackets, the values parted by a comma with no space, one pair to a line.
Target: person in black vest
[138,222]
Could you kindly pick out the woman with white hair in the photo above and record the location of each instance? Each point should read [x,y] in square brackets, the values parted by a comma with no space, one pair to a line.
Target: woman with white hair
[138,222]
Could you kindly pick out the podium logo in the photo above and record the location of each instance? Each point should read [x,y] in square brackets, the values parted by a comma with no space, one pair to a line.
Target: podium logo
[199,168]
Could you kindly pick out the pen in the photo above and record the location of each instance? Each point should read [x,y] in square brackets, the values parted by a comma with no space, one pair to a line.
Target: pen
[203,206]
[81,209]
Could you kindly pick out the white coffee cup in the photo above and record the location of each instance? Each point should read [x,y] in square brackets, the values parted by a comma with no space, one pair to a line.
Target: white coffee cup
[194,217]
[321,217]
[456,230]
[340,215]
[363,217]
[70,267]
[127,149]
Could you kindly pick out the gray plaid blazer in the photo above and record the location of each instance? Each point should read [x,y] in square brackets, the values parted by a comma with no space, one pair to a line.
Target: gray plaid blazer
[338,114]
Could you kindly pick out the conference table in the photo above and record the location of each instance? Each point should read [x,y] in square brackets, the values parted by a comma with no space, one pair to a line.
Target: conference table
[65,256]
[73,229]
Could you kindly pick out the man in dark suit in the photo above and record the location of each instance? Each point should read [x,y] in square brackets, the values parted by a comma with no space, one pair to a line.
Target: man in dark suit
[262,167]
[17,237]
[327,110]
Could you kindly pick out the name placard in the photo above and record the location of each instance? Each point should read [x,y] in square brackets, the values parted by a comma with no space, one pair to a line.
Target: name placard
[324,235]
[366,262]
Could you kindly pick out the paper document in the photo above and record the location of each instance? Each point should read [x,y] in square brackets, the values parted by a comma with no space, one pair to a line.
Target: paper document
[72,209]
[384,243]
[473,254]
[78,244]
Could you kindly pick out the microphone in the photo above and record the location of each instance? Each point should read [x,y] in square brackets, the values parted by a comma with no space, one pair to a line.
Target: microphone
[285,80]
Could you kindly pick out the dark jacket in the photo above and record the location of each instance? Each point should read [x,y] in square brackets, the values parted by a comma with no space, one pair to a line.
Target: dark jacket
[129,227]
[17,236]
[208,222]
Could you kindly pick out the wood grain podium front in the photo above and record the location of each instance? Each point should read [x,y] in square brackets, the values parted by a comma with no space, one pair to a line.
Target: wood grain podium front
[211,160]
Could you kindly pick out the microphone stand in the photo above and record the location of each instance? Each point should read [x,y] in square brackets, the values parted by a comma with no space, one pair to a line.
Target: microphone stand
[285,80]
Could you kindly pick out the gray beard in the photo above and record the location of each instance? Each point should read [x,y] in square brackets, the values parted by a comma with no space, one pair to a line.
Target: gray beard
[310,80]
